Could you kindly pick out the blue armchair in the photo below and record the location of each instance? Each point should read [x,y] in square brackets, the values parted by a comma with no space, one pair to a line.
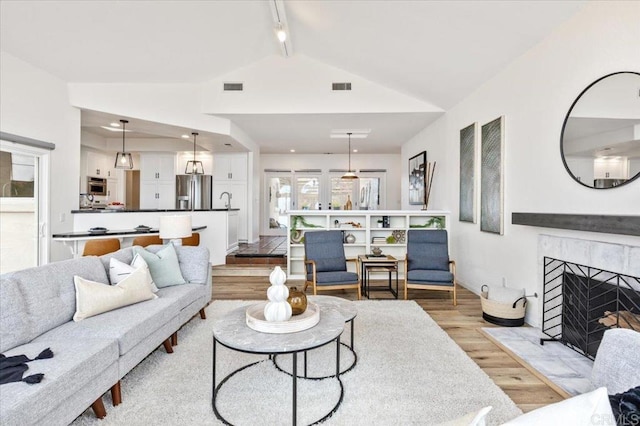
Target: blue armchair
[427,265]
[326,264]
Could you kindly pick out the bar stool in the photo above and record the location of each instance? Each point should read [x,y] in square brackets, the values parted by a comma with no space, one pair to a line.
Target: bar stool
[100,247]
[193,240]
[146,240]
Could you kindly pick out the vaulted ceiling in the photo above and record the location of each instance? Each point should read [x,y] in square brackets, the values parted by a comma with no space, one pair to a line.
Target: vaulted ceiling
[437,52]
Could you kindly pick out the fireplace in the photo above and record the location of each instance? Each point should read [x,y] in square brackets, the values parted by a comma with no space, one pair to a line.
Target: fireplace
[581,302]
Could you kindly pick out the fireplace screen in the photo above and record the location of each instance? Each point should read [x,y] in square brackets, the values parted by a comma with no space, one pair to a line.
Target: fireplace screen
[580,303]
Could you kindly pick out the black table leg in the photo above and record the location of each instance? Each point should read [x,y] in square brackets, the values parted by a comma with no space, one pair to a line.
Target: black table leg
[213,374]
[295,387]
[305,364]
[352,320]
[338,357]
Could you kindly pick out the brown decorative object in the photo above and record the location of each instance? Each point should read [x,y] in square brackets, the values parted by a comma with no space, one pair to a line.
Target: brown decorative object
[626,319]
[428,183]
[349,204]
[298,301]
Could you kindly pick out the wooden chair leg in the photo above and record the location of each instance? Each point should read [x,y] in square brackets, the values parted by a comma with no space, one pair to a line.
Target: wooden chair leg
[116,394]
[174,339]
[167,346]
[98,408]
[203,315]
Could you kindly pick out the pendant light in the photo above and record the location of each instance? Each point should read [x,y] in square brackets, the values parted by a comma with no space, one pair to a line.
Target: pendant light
[123,159]
[350,174]
[194,167]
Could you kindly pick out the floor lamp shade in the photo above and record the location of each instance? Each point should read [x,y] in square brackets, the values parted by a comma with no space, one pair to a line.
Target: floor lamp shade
[175,227]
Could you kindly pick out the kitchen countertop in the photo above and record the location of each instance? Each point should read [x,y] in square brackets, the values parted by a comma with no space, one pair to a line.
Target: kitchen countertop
[113,233]
[150,210]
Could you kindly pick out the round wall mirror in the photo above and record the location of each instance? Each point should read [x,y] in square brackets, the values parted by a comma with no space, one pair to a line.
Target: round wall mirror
[600,142]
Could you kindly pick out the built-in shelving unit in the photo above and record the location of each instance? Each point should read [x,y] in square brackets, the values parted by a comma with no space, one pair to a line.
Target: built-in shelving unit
[364,225]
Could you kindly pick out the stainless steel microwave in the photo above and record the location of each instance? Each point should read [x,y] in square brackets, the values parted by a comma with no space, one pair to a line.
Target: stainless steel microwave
[96,186]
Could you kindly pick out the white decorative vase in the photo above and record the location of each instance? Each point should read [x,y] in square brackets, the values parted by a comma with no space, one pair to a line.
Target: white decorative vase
[278,309]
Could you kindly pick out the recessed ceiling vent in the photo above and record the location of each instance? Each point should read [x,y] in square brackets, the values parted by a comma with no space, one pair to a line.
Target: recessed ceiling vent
[340,86]
[233,87]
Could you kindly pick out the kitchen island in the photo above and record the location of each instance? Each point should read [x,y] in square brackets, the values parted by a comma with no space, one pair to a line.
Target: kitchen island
[220,235]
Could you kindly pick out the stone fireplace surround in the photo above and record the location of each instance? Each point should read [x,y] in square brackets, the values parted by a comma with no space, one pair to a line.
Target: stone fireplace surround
[617,258]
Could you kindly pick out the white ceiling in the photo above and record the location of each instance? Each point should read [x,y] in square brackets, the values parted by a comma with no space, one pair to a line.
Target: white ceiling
[435,51]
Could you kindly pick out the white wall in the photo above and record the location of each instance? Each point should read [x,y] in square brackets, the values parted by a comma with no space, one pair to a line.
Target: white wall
[36,104]
[297,85]
[534,94]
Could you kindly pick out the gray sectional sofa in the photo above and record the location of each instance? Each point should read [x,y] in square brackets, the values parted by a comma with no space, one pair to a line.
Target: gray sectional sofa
[92,355]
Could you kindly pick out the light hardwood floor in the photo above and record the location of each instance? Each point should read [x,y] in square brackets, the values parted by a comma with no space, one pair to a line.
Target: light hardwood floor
[461,322]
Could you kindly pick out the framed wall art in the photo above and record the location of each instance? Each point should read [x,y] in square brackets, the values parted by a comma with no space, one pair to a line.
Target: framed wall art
[468,174]
[417,165]
[492,175]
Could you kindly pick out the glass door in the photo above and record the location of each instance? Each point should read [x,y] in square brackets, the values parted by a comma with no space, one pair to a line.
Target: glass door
[307,191]
[344,193]
[279,201]
[22,207]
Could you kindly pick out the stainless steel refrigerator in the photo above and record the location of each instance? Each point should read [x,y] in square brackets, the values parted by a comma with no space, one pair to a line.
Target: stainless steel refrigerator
[193,192]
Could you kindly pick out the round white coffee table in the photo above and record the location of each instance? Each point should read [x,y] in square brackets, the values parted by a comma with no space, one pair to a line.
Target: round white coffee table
[232,332]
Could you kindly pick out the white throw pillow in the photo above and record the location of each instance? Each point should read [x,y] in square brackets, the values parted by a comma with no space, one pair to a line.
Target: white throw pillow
[119,270]
[94,298]
[475,418]
[591,408]
[504,294]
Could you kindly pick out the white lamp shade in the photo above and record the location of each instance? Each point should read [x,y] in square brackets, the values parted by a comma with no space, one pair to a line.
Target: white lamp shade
[173,227]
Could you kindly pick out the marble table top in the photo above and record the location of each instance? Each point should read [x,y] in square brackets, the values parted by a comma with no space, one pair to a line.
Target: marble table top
[346,307]
[232,331]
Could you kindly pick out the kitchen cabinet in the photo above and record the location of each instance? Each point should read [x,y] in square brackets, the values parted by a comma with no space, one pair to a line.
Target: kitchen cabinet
[230,167]
[157,181]
[610,168]
[157,167]
[113,190]
[97,164]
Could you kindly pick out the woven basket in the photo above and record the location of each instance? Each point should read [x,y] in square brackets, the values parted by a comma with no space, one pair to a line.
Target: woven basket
[504,314]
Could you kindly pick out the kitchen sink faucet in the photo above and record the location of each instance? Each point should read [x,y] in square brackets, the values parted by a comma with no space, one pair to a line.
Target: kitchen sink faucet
[227,205]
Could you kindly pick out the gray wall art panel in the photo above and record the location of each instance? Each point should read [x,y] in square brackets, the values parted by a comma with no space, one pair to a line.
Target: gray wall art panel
[467,174]
[491,177]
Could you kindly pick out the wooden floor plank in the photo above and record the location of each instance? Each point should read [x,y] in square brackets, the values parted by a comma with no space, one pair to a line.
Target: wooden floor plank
[462,323]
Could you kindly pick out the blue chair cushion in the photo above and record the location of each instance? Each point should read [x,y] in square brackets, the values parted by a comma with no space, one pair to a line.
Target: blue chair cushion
[335,277]
[427,250]
[326,249]
[417,276]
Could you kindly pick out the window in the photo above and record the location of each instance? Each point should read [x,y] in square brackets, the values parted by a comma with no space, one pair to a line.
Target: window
[23,206]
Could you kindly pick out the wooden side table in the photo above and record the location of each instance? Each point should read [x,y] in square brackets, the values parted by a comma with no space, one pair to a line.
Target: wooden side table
[370,263]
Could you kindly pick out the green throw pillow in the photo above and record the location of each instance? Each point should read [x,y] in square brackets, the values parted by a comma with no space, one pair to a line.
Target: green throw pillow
[163,265]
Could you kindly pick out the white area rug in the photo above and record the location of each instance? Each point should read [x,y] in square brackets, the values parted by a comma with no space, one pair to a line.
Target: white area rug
[568,369]
[408,372]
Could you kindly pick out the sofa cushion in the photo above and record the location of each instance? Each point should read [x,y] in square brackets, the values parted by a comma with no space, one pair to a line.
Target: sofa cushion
[128,325]
[95,298]
[124,255]
[583,409]
[74,364]
[336,277]
[15,322]
[617,373]
[182,295]
[119,270]
[164,265]
[430,277]
[194,262]
[48,295]
[427,250]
